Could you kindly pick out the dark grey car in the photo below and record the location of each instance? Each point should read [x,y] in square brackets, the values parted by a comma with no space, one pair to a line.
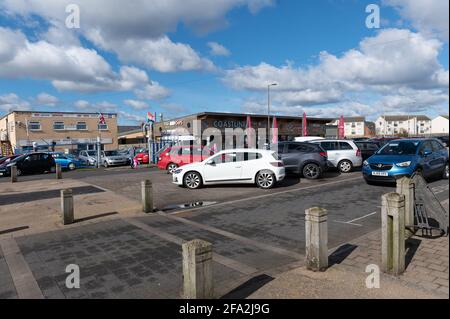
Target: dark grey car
[307,159]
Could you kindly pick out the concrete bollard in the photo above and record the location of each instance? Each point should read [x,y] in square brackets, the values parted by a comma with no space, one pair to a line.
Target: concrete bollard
[147,196]
[197,270]
[316,229]
[393,233]
[405,186]
[14,174]
[58,171]
[67,209]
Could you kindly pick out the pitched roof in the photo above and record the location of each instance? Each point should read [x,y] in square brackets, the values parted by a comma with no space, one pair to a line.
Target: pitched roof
[405,117]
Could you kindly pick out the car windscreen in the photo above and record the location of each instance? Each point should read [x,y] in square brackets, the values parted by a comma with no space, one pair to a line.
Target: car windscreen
[399,148]
[92,153]
[111,153]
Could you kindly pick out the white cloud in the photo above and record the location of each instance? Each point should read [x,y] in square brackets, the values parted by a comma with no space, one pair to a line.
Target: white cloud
[218,49]
[46,99]
[153,91]
[137,105]
[130,117]
[12,102]
[82,104]
[428,16]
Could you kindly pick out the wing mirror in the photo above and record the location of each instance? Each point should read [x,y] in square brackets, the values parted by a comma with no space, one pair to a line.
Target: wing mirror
[427,153]
[211,163]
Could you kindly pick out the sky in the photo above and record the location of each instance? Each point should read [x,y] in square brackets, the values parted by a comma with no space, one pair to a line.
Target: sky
[178,57]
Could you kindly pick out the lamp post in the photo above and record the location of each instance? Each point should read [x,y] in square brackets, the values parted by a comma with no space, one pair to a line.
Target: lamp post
[268,109]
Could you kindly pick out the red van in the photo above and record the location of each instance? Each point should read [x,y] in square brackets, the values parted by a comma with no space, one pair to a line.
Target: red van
[177,156]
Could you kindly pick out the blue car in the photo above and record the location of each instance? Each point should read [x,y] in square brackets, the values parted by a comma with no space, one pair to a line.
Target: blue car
[404,157]
[67,161]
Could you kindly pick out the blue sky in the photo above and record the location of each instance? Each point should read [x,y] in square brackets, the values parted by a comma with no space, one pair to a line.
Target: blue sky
[158,57]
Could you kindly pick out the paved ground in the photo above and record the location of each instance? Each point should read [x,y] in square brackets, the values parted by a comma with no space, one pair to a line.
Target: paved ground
[255,234]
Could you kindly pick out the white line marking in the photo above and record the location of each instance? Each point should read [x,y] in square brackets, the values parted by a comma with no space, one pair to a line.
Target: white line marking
[359,218]
[347,223]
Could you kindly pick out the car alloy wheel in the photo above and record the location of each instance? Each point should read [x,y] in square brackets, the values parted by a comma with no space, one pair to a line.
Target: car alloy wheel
[105,164]
[19,172]
[311,171]
[171,168]
[71,166]
[446,173]
[192,180]
[345,166]
[265,180]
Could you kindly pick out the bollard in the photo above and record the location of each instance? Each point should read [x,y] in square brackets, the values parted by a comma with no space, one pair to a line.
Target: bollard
[405,186]
[147,196]
[393,233]
[197,270]
[67,210]
[58,171]
[14,174]
[316,230]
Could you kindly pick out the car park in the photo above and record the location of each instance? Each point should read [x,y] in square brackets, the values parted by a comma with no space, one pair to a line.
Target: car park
[342,154]
[368,148]
[113,158]
[306,159]
[405,157]
[89,157]
[68,161]
[176,156]
[33,163]
[248,166]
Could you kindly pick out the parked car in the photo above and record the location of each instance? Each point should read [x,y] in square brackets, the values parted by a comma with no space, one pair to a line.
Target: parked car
[32,163]
[7,159]
[368,148]
[308,138]
[176,156]
[444,140]
[307,159]
[113,158]
[342,154]
[405,157]
[89,157]
[383,140]
[142,158]
[250,166]
[67,161]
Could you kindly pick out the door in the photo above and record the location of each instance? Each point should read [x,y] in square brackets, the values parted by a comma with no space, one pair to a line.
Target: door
[30,164]
[346,151]
[224,168]
[292,157]
[439,152]
[428,161]
[251,165]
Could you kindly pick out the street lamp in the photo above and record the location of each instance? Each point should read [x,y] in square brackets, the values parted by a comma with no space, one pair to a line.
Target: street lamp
[268,106]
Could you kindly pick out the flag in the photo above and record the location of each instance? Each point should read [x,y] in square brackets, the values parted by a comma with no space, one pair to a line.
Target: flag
[275,131]
[151,117]
[249,133]
[341,128]
[305,125]
[101,119]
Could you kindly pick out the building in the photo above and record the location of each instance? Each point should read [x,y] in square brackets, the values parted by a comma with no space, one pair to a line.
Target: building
[63,131]
[182,129]
[439,125]
[412,125]
[355,127]
[134,137]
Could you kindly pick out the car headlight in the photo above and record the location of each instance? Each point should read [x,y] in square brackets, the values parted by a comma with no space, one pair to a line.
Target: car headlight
[178,171]
[404,164]
[366,163]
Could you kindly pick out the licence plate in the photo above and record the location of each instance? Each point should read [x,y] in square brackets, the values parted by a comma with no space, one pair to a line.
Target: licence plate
[385,174]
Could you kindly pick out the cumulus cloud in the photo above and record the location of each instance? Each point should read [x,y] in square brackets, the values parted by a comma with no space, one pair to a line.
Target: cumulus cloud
[428,16]
[152,91]
[218,49]
[46,99]
[137,105]
[12,102]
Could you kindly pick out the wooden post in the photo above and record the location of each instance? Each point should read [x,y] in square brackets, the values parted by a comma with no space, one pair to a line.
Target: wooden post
[58,171]
[67,209]
[405,186]
[14,174]
[147,196]
[316,230]
[197,270]
[393,233]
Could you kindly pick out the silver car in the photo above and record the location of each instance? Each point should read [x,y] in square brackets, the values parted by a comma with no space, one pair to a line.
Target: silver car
[89,157]
[113,158]
[342,154]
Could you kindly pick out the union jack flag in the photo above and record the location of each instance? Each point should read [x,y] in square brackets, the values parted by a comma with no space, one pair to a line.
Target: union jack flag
[101,119]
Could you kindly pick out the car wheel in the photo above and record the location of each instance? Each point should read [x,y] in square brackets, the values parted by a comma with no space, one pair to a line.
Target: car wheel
[19,172]
[192,180]
[105,164]
[345,166]
[265,179]
[445,173]
[311,171]
[52,169]
[171,168]
[72,166]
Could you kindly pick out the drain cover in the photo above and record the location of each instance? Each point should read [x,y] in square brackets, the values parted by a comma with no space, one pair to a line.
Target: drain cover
[188,205]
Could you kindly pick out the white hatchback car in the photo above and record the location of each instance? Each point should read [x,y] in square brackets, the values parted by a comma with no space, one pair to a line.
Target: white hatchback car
[248,166]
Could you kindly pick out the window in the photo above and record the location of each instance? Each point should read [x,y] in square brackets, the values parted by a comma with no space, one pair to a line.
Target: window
[103,127]
[81,126]
[252,156]
[345,146]
[437,146]
[426,146]
[34,126]
[330,146]
[58,126]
